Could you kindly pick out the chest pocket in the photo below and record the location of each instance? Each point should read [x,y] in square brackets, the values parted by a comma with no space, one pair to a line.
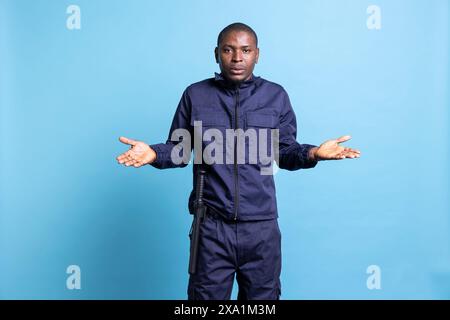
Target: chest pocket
[214,125]
[260,120]
[217,120]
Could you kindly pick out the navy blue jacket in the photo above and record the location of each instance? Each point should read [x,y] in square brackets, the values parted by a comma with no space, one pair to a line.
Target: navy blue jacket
[237,191]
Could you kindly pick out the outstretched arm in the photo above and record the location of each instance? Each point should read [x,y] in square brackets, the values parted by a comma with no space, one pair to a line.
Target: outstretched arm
[294,155]
[159,155]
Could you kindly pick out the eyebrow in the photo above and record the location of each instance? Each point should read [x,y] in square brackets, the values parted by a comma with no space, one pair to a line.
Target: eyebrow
[229,45]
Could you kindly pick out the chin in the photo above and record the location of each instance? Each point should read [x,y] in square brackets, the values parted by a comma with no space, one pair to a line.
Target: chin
[236,78]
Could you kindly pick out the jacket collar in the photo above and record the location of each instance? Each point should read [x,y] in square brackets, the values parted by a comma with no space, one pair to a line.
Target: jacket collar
[219,78]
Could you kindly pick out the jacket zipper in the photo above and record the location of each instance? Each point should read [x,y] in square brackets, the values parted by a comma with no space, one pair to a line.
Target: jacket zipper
[236,184]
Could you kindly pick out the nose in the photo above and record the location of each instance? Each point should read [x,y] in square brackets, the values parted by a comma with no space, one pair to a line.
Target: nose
[237,56]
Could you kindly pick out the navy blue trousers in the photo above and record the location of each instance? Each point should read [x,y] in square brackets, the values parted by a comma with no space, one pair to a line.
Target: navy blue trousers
[249,250]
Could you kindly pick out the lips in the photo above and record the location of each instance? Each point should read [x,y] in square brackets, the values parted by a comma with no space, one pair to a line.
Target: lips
[237,70]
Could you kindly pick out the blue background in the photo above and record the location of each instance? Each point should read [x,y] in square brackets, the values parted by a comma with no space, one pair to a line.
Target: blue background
[67,95]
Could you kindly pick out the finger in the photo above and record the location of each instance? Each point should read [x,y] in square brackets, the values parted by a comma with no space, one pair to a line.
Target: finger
[129,163]
[122,158]
[352,155]
[352,150]
[138,164]
[337,156]
[127,141]
[343,139]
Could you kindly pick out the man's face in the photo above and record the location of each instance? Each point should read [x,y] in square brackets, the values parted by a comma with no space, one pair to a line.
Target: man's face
[237,55]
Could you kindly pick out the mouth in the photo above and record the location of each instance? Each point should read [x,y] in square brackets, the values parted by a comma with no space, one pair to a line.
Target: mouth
[237,71]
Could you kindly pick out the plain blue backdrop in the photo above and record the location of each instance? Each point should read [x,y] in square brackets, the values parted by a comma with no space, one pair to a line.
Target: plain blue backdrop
[67,95]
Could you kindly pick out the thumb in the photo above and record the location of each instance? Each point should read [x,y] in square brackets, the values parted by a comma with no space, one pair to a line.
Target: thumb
[343,139]
[127,141]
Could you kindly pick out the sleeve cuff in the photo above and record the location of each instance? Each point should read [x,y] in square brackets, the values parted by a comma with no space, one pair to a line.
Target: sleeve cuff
[160,155]
[304,154]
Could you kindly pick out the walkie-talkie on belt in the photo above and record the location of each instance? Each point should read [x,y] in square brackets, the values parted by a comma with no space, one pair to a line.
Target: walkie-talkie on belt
[199,212]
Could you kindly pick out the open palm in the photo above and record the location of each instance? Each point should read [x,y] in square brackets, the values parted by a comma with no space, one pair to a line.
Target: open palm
[138,155]
[332,150]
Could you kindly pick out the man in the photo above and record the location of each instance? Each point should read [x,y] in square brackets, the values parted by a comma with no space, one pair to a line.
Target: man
[240,234]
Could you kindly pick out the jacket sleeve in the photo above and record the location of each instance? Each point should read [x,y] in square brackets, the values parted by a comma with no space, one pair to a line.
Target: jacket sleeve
[292,155]
[181,120]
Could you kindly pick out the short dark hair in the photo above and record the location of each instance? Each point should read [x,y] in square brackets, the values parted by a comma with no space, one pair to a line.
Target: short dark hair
[237,26]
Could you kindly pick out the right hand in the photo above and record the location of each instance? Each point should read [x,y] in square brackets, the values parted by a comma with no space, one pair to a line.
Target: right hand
[139,154]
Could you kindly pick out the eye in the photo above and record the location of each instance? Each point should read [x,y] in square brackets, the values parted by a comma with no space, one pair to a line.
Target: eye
[226,50]
[246,50]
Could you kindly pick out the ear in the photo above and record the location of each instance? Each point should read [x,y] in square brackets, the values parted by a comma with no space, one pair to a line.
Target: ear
[257,55]
[216,54]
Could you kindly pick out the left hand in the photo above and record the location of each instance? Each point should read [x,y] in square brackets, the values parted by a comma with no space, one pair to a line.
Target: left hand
[331,150]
